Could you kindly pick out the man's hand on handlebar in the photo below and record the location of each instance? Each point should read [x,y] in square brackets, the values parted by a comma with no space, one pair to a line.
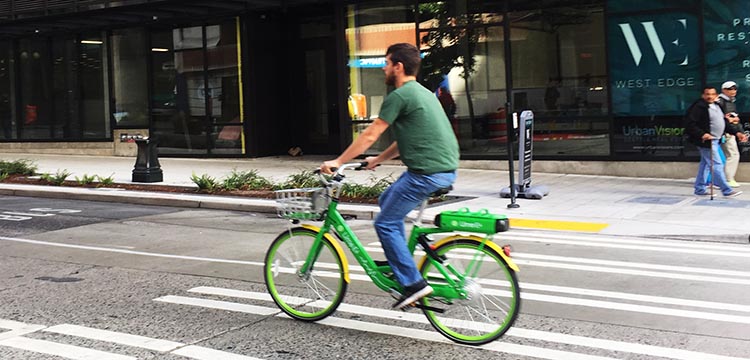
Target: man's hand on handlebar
[372,162]
[329,166]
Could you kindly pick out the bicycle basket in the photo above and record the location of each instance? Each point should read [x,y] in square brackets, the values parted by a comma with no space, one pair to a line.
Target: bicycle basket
[302,204]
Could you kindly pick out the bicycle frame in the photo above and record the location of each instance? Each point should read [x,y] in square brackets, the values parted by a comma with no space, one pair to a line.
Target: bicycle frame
[452,289]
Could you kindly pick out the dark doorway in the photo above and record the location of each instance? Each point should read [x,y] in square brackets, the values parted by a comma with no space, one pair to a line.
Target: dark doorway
[315,113]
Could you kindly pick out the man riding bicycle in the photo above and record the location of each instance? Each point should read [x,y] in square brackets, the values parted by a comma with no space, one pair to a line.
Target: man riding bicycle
[427,146]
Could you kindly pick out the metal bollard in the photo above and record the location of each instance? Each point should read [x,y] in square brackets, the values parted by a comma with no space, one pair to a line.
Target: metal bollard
[147,168]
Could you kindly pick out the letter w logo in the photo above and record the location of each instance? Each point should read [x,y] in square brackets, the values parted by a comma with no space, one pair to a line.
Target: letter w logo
[653,39]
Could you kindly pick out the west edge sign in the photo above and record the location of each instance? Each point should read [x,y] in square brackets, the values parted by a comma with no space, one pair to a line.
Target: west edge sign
[654,63]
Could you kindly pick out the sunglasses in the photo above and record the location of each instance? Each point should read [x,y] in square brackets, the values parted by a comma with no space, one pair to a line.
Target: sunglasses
[731,88]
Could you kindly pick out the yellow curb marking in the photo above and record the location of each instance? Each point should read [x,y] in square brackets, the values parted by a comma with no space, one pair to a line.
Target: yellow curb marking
[558,225]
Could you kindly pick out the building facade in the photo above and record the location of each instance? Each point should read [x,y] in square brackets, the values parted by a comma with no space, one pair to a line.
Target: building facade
[607,79]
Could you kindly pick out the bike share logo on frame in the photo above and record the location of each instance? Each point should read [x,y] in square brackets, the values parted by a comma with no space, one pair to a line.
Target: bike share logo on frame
[657,46]
[464,224]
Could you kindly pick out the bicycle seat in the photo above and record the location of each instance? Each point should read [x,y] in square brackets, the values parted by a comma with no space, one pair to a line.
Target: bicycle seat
[441,192]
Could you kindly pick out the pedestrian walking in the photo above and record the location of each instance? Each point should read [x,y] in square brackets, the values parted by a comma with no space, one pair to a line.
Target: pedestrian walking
[727,100]
[706,125]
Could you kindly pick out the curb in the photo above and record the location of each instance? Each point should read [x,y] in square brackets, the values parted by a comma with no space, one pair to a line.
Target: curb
[160,199]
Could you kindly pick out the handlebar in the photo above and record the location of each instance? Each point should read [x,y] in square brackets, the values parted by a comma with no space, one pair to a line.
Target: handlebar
[338,173]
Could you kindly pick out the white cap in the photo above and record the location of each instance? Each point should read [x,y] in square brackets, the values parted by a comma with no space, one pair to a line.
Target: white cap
[728,84]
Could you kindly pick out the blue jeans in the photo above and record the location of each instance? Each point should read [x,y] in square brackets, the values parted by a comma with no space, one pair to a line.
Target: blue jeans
[396,202]
[718,176]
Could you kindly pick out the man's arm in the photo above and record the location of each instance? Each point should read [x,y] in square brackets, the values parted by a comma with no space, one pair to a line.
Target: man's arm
[387,154]
[362,143]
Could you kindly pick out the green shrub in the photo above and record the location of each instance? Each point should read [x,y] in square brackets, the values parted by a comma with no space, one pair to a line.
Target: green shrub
[3,176]
[245,180]
[85,179]
[205,182]
[106,181]
[18,167]
[372,190]
[57,179]
[304,179]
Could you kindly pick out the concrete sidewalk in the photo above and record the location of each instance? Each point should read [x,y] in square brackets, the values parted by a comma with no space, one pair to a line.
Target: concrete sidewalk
[603,204]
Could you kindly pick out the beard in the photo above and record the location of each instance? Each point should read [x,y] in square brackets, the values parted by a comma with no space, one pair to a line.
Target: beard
[390,79]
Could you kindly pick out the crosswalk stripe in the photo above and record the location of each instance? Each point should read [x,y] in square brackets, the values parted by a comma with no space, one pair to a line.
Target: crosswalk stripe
[21,331]
[517,332]
[501,347]
[74,352]
[607,304]
[388,330]
[62,350]
[115,337]
[12,325]
[202,353]
[636,297]
[567,265]
[215,304]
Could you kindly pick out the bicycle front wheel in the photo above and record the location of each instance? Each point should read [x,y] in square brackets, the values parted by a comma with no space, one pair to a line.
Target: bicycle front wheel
[492,294]
[310,295]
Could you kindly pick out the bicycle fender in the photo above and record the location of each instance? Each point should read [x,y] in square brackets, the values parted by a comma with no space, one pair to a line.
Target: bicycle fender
[336,246]
[491,244]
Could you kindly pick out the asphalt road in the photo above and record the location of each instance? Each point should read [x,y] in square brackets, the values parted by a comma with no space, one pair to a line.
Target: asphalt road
[88,280]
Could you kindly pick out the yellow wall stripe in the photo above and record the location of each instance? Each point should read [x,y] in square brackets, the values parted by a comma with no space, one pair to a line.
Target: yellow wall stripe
[239,74]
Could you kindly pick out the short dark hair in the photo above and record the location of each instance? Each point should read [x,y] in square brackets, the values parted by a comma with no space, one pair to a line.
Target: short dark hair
[709,88]
[406,54]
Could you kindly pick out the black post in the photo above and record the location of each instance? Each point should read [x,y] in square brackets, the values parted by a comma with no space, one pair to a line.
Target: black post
[509,129]
[147,168]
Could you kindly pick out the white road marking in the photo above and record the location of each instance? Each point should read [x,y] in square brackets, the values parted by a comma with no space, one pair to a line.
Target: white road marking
[221,305]
[711,279]
[115,337]
[21,331]
[12,325]
[497,346]
[612,345]
[129,252]
[631,245]
[14,339]
[679,244]
[202,353]
[62,350]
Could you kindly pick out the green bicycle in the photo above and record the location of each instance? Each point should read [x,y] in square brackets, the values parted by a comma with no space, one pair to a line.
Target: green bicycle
[476,294]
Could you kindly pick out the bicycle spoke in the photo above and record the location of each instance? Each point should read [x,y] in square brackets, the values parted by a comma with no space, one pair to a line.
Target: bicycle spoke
[482,314]
[301,295]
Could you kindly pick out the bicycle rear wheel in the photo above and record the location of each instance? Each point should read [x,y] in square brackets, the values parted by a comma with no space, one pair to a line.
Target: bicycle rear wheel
[308,296]
[492,301]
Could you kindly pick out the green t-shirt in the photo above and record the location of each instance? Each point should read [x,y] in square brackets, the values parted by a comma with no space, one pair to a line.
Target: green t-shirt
[426,142]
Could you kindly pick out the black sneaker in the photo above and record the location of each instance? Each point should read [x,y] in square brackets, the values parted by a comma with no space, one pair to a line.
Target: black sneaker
[412,294]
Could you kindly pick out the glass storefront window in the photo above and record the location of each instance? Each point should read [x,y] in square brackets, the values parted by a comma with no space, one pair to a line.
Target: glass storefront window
[91,67]
[36,107]
[7,98]
[224,103]
[370,30]
[436,14]
[196,90]
[560,73]
[466,70]
[129,62]
[64,88]
[176,72]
